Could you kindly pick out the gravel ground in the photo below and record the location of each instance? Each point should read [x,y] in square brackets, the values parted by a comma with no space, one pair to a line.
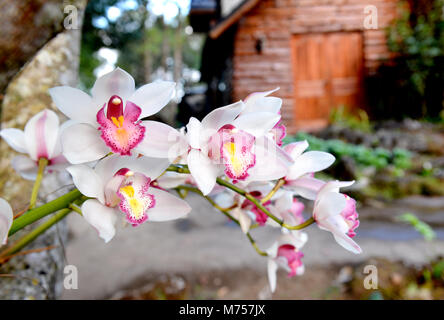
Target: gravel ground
[206,243]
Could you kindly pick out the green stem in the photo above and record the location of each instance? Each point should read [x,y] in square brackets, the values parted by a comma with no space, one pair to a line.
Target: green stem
[29,237]
[42,211]
[227,214]
[43,162]
[256,202]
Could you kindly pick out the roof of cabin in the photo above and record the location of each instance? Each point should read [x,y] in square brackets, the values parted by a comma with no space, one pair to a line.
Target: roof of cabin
[237,13]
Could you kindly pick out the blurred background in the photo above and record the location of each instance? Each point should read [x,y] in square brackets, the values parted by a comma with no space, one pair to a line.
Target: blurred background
[361,79]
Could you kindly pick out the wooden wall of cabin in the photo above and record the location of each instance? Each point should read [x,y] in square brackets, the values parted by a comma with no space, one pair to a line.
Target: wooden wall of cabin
[263,43]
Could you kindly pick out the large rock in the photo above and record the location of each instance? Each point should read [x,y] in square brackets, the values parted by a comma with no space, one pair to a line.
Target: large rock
[37,275]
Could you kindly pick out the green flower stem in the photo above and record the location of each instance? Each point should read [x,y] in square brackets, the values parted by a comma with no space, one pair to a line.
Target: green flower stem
[42,211]
[227,214]
[29,237]
[43,162]
[256,202]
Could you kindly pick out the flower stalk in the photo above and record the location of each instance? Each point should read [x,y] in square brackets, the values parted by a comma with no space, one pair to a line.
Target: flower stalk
[43,162]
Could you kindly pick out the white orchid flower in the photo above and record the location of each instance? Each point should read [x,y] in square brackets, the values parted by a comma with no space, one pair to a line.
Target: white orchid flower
[40,139]
[261,102]
[6,217]
[285,253]
[122,186]
[336,212]
[225,142]
[104,125]
[300,177]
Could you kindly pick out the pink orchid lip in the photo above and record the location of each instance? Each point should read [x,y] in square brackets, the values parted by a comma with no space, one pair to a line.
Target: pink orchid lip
[351,216]
[135,199]
[279,132]
[293,257]
[234,148]
[121,129]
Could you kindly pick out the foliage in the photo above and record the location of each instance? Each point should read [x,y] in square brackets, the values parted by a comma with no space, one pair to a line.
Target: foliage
[417,38]
[343,117]
[375,157]
[423,228]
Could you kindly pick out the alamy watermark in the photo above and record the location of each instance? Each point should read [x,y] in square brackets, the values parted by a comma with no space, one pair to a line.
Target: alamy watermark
[371,20]
[371,280]
[71,21]
[71,277]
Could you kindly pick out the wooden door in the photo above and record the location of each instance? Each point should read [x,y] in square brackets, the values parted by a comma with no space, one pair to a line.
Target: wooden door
[327,73]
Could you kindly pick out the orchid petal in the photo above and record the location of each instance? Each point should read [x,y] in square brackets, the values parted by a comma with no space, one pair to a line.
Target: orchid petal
[82,143]
[117,82]
[15,138]
[272,270]
[295,149]
[167,207]
[257,123]
[87,181]
[329,205]
[306,187]
[161,141]
[75,104]
[219,117]
[338,227]
[202,170]
[333,186]
[152,97]
[6,217]
[102,218]
[171,180]
[25,167]
[194,129]
[41,134]
[308,162]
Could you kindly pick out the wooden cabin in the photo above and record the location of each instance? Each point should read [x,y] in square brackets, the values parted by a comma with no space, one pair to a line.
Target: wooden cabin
[317,51]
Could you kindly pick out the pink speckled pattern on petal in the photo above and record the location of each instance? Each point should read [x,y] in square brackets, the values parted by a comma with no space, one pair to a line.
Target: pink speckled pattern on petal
[278,133]
[351,216]
[121,130]
[135,199]
[236,150]
[293,257]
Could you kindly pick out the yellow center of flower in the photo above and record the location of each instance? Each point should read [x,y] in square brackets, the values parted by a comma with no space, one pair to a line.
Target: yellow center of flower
[135,204]
[230,147]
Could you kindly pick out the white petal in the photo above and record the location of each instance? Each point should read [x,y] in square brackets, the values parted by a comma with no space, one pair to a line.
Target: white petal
[25,167]
[152,97]
[244,220]
[15,138]
[117,82]
[87,181]
[58,147]
[194,129]
[161,141]
[269,162]
[258,101]
[347,243]
[306,187]
[82,143]
[295,149]
[102,218]
[171,180]
[330,204]
[6,216]
[202,170]
[333,186]
[75,104]
[167,207]
[308,162]
[222,116]
[41,134]
[257,123]
[271,270]
[285,202]
[150,167]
